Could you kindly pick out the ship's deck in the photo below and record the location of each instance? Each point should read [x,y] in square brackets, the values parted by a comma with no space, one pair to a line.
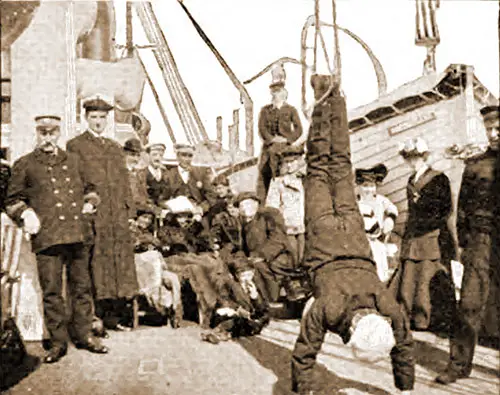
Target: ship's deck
[160,360]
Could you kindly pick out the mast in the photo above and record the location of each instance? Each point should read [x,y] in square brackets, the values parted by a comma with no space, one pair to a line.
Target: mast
[427,32]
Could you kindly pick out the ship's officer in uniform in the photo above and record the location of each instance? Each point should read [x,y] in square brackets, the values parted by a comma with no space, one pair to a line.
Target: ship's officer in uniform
[476,223]
[279,126]
[48,196]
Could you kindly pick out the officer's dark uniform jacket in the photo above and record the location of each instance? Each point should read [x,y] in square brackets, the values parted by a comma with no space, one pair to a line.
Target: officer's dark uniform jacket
[338,254]
[55,188]
[476,202]
[429,206]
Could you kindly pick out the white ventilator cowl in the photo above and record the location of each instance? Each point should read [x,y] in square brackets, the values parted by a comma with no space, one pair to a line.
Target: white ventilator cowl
[372,338]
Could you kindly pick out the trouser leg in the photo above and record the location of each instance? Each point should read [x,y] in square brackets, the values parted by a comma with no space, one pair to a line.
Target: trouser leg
[50,271]
[175,284]
[80,289]
[474,296]
[335,227]
[264,177]
[270,284]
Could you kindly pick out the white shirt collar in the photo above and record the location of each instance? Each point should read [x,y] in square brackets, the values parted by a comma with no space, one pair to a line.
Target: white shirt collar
[420,171]
[184,174]
[97,135]
[156,172]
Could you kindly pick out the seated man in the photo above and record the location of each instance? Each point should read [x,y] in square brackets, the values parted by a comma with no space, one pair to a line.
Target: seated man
[350,300]
[191,256]
[242,311]
[160,286]
[226,231]
[265,240]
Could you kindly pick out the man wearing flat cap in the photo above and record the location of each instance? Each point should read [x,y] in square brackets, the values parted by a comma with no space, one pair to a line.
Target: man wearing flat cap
[478,238]
[49,195]
[138,178]
[112,257]
[279,126]
[379,214]
[191,181]
[157,175]
[424,255]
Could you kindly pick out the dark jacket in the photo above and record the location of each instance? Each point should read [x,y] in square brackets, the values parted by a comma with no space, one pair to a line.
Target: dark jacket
[429,207]
[112,263]
[226,231]
[265,236]
[5,173]
[476,201]
[284,122]
[54,186]
[198,188]
[343,289]
[234,296]
[195,238]
[139,189]
[158,190]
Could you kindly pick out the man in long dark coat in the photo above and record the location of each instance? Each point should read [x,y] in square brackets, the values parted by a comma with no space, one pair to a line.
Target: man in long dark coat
[112,259]
[48,195]
[477,236]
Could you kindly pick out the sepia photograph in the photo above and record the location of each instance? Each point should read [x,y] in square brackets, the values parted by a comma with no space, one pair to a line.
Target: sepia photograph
[250,197]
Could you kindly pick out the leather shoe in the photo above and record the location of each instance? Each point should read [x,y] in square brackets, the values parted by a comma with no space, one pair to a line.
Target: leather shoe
[55,354]
[174,322]
[93,345]
[450,376]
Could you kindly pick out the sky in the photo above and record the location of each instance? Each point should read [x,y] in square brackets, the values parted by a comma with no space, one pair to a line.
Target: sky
[252,34]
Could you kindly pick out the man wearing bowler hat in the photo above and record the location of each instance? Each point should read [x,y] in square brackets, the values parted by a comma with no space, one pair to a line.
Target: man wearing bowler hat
[49,195]
[112,256]
[279,126]
[478,237]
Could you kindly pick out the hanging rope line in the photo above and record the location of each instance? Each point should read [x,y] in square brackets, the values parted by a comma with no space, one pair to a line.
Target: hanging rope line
[158,102]
[181,98]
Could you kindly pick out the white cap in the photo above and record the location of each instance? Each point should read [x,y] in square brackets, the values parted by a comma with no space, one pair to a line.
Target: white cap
[372,339]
